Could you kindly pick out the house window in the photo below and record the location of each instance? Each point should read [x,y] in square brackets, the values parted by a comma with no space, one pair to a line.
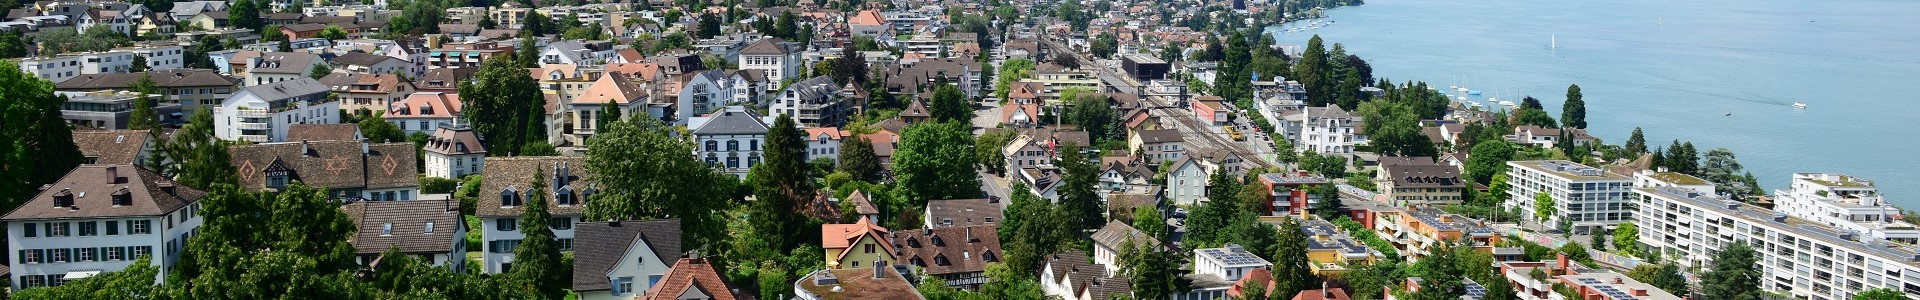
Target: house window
[386,229]
[59,229]
[733,145]
[733,162]
[713,146]
[140,226]
[507,224]
[429,227]
[869,248]
[33,230]
[89,228]
[622,285]
[561,223]
[116,253]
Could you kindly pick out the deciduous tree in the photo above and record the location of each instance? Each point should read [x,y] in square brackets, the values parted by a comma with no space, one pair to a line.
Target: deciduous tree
[646,173]
[857,158]
[504,105]
[935,161]
[950,105]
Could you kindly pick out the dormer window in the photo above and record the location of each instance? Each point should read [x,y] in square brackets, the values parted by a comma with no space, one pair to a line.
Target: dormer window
[564,196]
[941,260]
[429,227]
[509,198]
[123,197]
[937,242]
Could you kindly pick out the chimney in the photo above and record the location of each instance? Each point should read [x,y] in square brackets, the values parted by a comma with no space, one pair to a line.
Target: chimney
[1562,260]
[879,269]
[363,148]
[1617,280]
[970,238]
[113,174]
[1324,292]
[304,148]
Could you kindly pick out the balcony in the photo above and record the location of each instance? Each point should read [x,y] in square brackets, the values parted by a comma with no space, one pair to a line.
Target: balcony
[254,138]
[250,126]
[254,113]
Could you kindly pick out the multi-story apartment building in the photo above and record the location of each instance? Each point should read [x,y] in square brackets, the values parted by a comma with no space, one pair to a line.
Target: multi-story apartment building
[703,92]
[505,191]
[1329,130]
[191,89]
[424,111]
[1331,252]
[815,102]
[60,234]
[464,55]
[57,68]
[825,143]
[730,139]
[262,113]
[1414,230]
[454,152]
[271,67]
[158,56]
[1421,184]
[370,91]
[1228,263]
[1157,145]
[1799,258]
[1288,192]
[778,58]
[106,109]
[1054,82]
[1845,202]
[1586,197]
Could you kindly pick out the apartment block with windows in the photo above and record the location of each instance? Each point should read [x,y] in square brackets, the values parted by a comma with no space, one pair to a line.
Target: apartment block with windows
[99,218]
[1586,197]
[1845,202]
[506,189]
[1799,258]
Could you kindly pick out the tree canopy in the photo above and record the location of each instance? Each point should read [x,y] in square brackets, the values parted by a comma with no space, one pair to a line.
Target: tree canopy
[505,106]
[648,174]
[934,162]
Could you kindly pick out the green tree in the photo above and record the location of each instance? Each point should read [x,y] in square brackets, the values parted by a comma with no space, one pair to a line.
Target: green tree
[138,65]
[134,282]
[782,185]
[1078,191]
[851,67]
[1637,143]
[1880,294]
[1488,158]
[1626,237]
[527,55]
[1535,117]
[1721,167]
[1094,115]
[1292,272]
[1394,129]
[244,14]
[1441,274]
[1234,81]
[935,161]
[709,26]
[12,45]
[332,32]
[1329,206]
[144,117]
[1665,276]
[1543,208]
[1148,220]
[950,105]
[376,129]
[1312,71]
[1104,45]
[1734,274]
[201,159]
[36,144]
[1598,238]
[293,243]
[536,262]
[988,146]
[648,175]
[1574,113]
[857,158]
[505,106]
[609,113]
[320,70]
[1152,271]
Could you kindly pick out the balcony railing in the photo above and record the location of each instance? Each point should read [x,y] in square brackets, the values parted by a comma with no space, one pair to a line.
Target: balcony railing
[259,113]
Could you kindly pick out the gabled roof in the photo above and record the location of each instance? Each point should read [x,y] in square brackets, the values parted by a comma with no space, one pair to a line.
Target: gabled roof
[120,147]
[963,212]
[323,132]
[454,140]
[1115,235]
[361,59]
[692,273]
[732,121]
[868,17]
[517,173]
[618,89]
[1071,262]
[1159,136]
[403,225]
[148,192]
[769,46]
[861,204]
[330,164]
[916,108]
[284,62]
[433,105]
[951,250]
[288,89]
[601,246]
[842,236]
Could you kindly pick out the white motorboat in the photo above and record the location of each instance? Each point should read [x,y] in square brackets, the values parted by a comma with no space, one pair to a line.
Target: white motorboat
[1799,105]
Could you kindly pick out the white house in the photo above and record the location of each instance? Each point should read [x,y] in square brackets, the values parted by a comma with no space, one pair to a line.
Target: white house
[702,92]
[1025,152]
[61,234]
[825,143]
[1230,263]
[1846,202]
[504,192]
[1113,238]
[262,113]
[815,101]
[1329,130]
[424,111]
[1158,145]
[158,56]
[454,152]
[271,67]
[623,259]
[778,58]
[105,62]
[1807,260]
[567,53]
[58,68]
[1187,181]
[1586,197]
[371,63]
[730,139]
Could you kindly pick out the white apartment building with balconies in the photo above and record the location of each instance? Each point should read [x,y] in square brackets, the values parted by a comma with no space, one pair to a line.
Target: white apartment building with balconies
[1329,130]
[1587,197]
[1845,202]
[1799,258]
[262,113]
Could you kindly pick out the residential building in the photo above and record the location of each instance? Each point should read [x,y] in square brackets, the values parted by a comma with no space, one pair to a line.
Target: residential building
[262,113]
[694,278]
[1586,197]
[1845,202]
[1329,131]
[1415,230]
[777,58]
[1537,280]
[1053,82]
[454,152]
[1157,145]
[915,78]
[852,246]
[1543,137]
[703,92]
[347,169]
[869,23]
[1331,252]
[190,89]
[1144,67]
[1421,184]
[272,67]
[1116,237]
[1290,193]
[431,231]
[962,213]
[55,68]
[1024,152]
[466,55]
[578,116]
[358,62]
[816,102]
[1187,182]
[113,147]
[159,56]
[372,92]
[1662,178]
[958,256]
[325,132]
[424,111]
[1230,262]
[1322,294]
[741,131]
[880,282]
[506,189]
[108,109]
[1613,286]
[624,259]
[825,143]
[1211,108]
[1070,276]
[864,206]
[1798,258]
[60,235]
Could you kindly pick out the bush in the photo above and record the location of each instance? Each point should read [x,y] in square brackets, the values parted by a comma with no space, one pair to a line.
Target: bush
[437,185]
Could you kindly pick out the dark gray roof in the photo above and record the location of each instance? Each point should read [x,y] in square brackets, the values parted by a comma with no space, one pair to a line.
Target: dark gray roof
[769,46]
[408,223]
[284,62]
[814,90]
[161,78]
[1160,136]
[360,59]
[111,146]
[288,89]
[148,191]
[600,246]
[732,121]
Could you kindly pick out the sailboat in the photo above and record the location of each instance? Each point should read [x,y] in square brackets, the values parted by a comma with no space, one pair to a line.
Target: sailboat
[1554,42]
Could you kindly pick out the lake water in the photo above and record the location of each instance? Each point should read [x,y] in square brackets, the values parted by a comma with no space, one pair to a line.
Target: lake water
[1678,69]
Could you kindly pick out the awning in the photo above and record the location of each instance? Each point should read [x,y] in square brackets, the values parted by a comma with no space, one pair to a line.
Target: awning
[81,274]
